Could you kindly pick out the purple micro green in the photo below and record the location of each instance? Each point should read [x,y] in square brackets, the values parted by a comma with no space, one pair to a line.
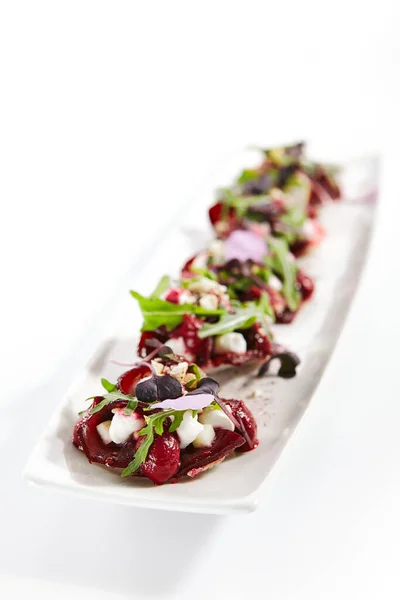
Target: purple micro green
[187,402]
[245,245]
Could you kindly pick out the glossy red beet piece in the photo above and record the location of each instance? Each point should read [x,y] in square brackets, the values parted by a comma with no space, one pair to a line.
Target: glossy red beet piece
[173,296]
[306,285]
[128,381]
[87,439]
[244,416]
[219,213]
[186,272]
[163,458]
[195,460]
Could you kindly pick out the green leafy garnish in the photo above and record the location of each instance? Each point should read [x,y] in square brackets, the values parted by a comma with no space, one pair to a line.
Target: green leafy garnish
[107,385]
[160,312]
[155,424]
[178,418]
[243,318]
[279,261]
[248,175]
[197,372]
[113,395]
[293,220]
[161,287]
[130,407]
[241,204]
[264,305]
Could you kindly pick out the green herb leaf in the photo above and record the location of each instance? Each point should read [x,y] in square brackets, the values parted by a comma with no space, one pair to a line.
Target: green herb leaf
[241,204]
[248,175]
[192,383]
[242,318]
[264,305]
[107,385]
[160,312]
[197,372]
[280,262]
[130,407]
[178,418]
[155,424]
[161,287]
[112,397]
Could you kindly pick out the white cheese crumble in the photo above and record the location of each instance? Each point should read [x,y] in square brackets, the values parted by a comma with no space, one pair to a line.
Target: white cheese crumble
[275,283]
[230,342]
[209,301]
[104,431]
[204,285]
[205,437]
[216,418]
[189,429]
[122,426]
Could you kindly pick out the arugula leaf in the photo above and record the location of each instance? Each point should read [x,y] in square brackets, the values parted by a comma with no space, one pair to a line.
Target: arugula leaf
[161,287]
[197,372]
[241,204]
[191,383]
[112,397]
[292,221]
[264,305]
[130,407]
[280,262]
[155,423]
[160,312]
[107,385]
[178,418]
[248,175]
[242,318]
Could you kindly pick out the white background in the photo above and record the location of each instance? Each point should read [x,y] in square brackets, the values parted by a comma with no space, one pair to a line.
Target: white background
[111,114]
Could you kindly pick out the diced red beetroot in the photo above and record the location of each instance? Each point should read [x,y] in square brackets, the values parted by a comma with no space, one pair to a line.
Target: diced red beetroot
[87,438]
[173,296]
[215,212]
[243,415]
[306,285]
[219,212]
[194,460]
[127,381]
[286,316]
[312,211]
[186,272]
[163,458]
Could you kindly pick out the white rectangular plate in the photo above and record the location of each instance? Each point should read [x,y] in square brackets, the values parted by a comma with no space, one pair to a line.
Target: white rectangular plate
[236,484]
